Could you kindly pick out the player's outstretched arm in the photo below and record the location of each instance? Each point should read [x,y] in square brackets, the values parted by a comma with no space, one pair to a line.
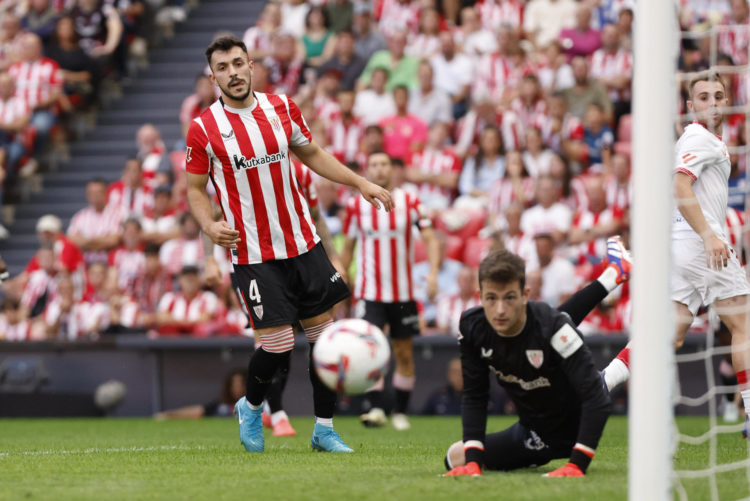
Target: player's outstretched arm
[326,165]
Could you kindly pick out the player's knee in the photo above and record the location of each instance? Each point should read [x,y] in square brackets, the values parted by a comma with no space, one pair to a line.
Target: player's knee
[279,341]
[455,455]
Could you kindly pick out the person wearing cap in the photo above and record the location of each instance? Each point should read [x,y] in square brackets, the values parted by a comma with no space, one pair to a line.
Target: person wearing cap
[184,311]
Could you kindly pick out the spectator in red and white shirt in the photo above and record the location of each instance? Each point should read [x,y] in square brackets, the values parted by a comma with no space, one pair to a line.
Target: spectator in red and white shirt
[151,286]
[513,237]
[13,327]
[14,119]
[403,133]
[127,263]
[516,186]
[548,216]
[450,308]
[453,70]
[127,195]
[398,15]
[203,96]
[284,65]
[563,132]
[618,186]
[558,277]
[39,82]
[185,250]
[161,223]
[526,110]
[425,43]
[152,154]
[472,38]
[258,38]
[435,170]
[497,13]
[66,318]
[67,257]
[497,74]
[95,229]
[591,227]
[612,66]
[345,130]
[41,287]
[184,311]
[735,39]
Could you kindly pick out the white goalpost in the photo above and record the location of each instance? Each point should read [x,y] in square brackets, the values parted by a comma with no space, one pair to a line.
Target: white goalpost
[654,110]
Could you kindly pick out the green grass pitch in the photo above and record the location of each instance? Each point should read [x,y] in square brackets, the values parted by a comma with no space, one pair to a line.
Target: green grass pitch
[112,459]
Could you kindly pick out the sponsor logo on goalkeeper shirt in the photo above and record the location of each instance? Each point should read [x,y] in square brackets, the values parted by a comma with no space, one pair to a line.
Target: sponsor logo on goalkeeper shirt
[540,382]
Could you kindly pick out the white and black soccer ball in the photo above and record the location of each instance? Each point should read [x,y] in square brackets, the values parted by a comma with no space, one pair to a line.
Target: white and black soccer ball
[351,355]
[110,394]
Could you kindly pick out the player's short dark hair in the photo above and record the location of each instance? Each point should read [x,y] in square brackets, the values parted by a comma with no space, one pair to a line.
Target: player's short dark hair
[706,76]
[502,267]
[224,44]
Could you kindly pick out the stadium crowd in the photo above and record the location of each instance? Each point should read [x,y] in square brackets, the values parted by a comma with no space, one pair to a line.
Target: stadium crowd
[510,120]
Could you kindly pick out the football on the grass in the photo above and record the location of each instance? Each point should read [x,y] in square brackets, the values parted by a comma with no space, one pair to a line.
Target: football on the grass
[351,355]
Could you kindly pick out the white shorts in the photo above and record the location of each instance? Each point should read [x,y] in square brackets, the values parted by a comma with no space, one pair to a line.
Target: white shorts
[693,283]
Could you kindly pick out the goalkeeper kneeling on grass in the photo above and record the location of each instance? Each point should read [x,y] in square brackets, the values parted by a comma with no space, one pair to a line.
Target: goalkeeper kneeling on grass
[540,359]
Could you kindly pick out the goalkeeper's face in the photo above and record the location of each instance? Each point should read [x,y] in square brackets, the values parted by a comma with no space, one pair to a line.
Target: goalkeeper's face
[708,99]
[504,306]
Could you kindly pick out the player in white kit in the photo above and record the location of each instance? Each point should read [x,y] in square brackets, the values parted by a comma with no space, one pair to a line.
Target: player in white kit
[706,269]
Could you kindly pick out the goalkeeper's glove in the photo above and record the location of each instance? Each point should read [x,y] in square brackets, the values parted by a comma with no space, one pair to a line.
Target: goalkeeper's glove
[569,470]
[471,469]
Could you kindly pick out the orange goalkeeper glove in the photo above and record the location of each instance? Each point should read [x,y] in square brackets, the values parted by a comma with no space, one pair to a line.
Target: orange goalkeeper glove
[470,469]
[569,470]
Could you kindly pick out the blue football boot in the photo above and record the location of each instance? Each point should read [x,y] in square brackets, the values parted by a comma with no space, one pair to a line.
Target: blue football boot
[251,426]
[326,440]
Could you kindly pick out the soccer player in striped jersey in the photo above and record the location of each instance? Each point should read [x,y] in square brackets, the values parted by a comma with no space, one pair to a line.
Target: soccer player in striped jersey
[384,284]
[243,142]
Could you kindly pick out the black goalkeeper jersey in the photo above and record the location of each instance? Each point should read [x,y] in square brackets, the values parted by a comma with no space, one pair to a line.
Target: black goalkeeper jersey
[546,369]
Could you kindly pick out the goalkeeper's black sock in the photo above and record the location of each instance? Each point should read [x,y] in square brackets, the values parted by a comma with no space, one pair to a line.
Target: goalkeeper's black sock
[324,399]
[276,389]
[260,371]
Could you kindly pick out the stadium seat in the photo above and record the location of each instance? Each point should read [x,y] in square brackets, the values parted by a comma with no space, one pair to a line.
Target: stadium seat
[475,250]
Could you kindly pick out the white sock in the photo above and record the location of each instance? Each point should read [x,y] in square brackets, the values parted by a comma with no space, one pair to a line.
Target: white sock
[266,407]
[278,416]
[255,407]
[746,400]
[616,373]
[608,278]
[324,421]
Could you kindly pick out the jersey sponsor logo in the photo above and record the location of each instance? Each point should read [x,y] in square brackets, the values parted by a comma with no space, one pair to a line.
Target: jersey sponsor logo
[486,353]
[334,277]
[534,442]
[188,151]
[240,162]
[228,135]
[258,311]
[540,382]
[536,358]
[566,341]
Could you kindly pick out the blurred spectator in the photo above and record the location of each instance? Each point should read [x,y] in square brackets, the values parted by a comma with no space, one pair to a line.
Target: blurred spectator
[497,74]
[258,38]
[97,286]
[425,43]
[40,19]
[735,41]
[591,227]
[160,223]
[293,15]
[319,41]
[154,284]
[41,287]
[127,263]
[598,137]
[625,25]
[95,229]
[284,64]
[232,390]
[14,119]
[185,250]
[562,131]
[345,60]
[612,66]
[340,13]
[586,91]
[39,83]
[513,237]
[202,98]
[369,40]
[10,40]
[345,130]
[374,103]
[483,169]
[582,39]
[127,195]
[100,29]
[67,257]
[516,186]
[544,19]
[403,133]
[398,15]
[554,72]
[187,310]
[453,73]
[446,281]
[537,159]
[430,104]
[526,110]
[450,307]
[13,327]
[402,68]
[324,99]
[151,152]
[548,216]
[558,276]
[80,72]
[483,114]
[68,319]
[496,13]
[446,400]
[435,170]
[473,39]
[330,209]
[618,186]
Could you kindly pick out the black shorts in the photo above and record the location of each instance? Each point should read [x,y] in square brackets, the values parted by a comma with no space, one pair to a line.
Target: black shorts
[282,291]
[522,447]
[402,318]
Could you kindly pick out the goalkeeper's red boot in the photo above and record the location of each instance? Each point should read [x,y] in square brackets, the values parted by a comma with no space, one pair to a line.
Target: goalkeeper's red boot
[267,420]
[283,429]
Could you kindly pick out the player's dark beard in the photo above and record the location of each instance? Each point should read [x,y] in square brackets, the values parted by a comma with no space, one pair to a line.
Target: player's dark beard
[240,97]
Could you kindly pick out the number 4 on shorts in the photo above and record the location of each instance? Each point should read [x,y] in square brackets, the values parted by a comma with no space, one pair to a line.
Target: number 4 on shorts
[253,294]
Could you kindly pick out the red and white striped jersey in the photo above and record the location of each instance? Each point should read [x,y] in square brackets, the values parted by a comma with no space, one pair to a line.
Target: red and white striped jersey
[326,109]
[423,46]
[36,81]
[619,196]
[735,230]
[130,313]
[609,65]
[571,129]
[179,252]
[256,39]
[734,41]
[183,310]
[305,181]
[522,245]
[160,224]
[396,16]
[89,223]
[128,201]
[449,310]
[503,193]
[494,76]
[12,109]
[344,138]
[586,220]
[149,290]
[386,246]
[130,266]
[469,129]
[39,284]
[150,163]
[246,153]
[538,219]
[20,331]
[529,116]
[82,319]
[444,161]
[496,13]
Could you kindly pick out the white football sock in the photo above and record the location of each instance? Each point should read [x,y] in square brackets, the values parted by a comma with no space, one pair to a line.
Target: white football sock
[324,421]
[746,400]
[616,373]
[608,278]
[278,416]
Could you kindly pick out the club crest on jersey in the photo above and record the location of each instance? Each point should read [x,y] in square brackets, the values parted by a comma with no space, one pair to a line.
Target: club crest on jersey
[536,358]
[275,122]
[258,310]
